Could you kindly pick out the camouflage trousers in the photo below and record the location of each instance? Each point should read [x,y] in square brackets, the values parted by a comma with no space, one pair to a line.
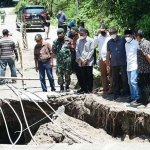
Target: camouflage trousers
[2,19]
[64,69]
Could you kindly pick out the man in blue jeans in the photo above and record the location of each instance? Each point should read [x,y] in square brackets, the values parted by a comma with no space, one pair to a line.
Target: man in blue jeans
[8,54]
[131,47]
[43,57]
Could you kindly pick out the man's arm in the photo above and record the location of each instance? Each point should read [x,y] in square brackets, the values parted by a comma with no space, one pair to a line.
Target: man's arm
[54,48]
[36,60]
[15,51]
[146,52]
[91,51]
[108,58]
[51,54]
[48,19]
[78,55]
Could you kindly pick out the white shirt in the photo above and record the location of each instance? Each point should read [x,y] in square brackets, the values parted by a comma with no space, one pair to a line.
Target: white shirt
[131,53]
[101,41]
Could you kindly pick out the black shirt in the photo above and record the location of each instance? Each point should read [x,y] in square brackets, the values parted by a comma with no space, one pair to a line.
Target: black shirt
[47,24]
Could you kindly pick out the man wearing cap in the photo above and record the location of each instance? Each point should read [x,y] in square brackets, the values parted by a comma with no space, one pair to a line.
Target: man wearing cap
[74,64]
[61,18]
[116,51]
[70,25]
[84,56]
[8,54]
[43,57]
[132,66]
[101,38]
[62,48]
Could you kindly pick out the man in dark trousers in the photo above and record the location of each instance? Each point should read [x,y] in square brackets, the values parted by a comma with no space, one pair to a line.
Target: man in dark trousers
[84,56]
[116,51]
[74,64]
[143,59]
[47,25]
[43,57]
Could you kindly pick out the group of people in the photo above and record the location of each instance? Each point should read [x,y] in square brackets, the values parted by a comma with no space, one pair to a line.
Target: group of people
[124,61]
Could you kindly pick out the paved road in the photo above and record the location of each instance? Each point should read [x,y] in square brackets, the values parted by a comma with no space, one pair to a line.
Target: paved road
[29,64]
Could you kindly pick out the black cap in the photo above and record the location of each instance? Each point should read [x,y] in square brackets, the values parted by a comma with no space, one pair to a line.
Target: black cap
[74,29]
[38,37]
[103,27]
[128,32]
[83,30]
[112,29]
[5,32]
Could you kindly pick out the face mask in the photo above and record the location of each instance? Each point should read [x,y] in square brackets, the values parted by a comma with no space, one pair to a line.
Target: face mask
[113,36]
[128,39]
[103,33]
[82,37]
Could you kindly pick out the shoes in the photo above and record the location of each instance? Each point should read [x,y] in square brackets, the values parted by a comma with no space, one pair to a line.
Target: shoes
[67,88]
[127,95]
[2,82]
[102,92]
[116,97]
[14,81]
[61,88]
[83,92]
[79,91]
[141,106]
[135,103]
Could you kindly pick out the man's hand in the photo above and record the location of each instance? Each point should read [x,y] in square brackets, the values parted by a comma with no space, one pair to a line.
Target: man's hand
[16,58]
[108,69]
[36,68]
[51,64]
[84,62]
[98,32]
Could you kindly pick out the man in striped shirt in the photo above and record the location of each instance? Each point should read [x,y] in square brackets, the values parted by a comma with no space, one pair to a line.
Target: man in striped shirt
[8,54]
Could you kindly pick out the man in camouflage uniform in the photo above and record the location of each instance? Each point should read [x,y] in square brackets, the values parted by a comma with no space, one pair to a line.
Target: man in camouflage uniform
[2,15]
[62,48]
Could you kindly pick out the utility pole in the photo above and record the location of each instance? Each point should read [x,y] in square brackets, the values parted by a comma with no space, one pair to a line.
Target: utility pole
[77,12]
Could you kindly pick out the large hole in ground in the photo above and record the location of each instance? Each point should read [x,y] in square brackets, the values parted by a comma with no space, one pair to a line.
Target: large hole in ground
[4,139]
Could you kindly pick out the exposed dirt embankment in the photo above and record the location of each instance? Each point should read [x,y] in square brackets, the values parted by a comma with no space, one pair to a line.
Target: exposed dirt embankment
[114,118]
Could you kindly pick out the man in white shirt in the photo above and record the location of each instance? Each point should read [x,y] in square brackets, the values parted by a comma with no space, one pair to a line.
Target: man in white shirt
[101,38]
[131,47]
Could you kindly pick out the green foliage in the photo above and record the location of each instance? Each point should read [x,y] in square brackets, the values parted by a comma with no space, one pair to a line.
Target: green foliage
[122,14]
[23,3]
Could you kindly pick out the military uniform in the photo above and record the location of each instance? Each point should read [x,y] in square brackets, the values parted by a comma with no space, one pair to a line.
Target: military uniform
[62,49]
[2,15]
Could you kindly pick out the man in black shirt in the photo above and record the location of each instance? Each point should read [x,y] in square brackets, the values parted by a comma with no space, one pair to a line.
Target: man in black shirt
[47,25]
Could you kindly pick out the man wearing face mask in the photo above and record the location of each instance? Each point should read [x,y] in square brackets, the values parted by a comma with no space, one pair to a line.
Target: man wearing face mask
[62,48]
[74,64]
[116,51]
[101,38]
[143,59]
[84,56]
[132,67]
[61,18]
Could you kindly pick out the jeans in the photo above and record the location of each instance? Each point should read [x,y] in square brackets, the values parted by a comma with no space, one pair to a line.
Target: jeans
[118,71]
[133,84]
[45,66]
[11,64]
